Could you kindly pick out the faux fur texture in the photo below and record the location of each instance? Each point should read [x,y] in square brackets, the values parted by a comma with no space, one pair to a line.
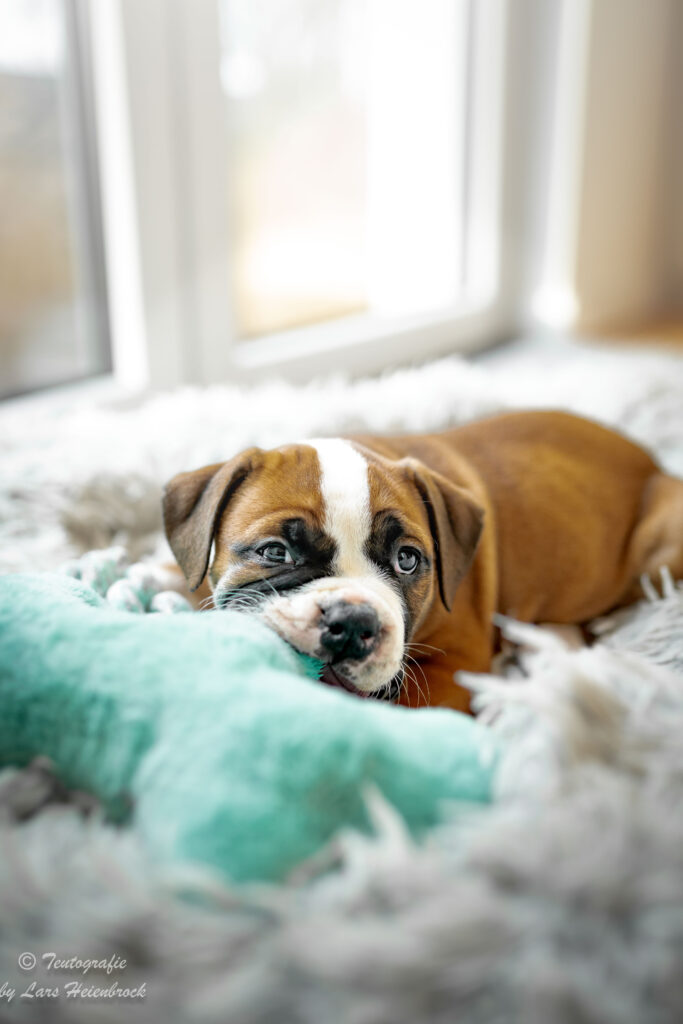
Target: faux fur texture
[561,904]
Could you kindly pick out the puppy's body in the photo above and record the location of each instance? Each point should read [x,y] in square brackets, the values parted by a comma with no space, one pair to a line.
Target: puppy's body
[568,529]
[542,516]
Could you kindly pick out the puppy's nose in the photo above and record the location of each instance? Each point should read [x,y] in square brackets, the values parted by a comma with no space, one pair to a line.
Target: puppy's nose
[349,630]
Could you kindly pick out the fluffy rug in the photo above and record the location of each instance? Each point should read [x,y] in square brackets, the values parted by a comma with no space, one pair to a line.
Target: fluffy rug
[561,903]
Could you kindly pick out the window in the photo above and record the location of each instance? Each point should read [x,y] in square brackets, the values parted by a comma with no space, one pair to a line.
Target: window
[348,157]
[296,112]
[298,187]
[52,322]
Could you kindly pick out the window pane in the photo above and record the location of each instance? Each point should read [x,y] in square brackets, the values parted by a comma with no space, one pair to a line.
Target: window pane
[293,74]
[47,334]
[347,123]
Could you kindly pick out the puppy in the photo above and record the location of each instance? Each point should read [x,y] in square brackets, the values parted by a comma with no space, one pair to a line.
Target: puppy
[386,558]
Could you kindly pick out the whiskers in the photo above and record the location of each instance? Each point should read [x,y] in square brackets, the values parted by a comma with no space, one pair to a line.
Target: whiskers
[391,691]
[240,599]
[421,648]
[412,672]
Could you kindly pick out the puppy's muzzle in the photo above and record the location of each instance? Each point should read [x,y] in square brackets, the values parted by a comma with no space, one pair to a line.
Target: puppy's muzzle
[349,631]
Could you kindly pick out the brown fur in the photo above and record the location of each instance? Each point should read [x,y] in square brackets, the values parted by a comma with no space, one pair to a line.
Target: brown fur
[574,514]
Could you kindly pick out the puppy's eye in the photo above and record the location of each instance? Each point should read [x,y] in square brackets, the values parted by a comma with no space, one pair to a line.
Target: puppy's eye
[407,560]
[276,552]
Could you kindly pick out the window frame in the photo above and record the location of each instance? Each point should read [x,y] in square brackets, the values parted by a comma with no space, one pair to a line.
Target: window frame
[71,79]
[86,198]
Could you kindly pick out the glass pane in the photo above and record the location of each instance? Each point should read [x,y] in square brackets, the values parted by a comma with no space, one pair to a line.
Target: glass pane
[293,74]
[347,122]
[46,335]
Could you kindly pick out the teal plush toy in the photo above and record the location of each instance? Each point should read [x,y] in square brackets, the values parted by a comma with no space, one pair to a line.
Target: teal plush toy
[212,732]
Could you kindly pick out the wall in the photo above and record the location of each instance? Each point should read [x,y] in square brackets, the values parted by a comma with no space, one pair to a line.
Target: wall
[623,256]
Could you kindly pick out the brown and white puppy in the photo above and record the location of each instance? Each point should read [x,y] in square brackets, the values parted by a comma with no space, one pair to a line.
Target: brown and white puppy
[388,557]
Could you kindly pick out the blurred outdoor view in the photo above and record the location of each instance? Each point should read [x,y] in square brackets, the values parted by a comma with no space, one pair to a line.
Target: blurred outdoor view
[295,89]
[346,124]
[43,339]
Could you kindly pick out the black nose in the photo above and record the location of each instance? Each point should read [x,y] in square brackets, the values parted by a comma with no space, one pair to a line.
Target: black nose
[349,630]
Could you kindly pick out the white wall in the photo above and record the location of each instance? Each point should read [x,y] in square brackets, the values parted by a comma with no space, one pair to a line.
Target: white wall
[612,253]
[623,257]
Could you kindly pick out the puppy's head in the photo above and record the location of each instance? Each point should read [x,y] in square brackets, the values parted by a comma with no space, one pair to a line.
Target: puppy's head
[340,551]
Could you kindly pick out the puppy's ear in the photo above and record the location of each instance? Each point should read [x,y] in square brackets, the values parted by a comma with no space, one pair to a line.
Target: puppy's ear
[456,520]
[193,504]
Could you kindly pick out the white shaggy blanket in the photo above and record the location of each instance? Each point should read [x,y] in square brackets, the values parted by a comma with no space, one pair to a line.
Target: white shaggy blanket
[561,903]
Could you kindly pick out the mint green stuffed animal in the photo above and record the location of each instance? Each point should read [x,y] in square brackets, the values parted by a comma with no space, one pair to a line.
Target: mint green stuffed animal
[212,731]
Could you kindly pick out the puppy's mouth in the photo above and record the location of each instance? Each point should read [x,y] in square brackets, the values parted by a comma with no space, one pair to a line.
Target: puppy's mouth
[391,692]
[330,677]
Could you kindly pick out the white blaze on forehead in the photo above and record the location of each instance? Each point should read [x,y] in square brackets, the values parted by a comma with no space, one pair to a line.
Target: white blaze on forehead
[346,499]
[296,615]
